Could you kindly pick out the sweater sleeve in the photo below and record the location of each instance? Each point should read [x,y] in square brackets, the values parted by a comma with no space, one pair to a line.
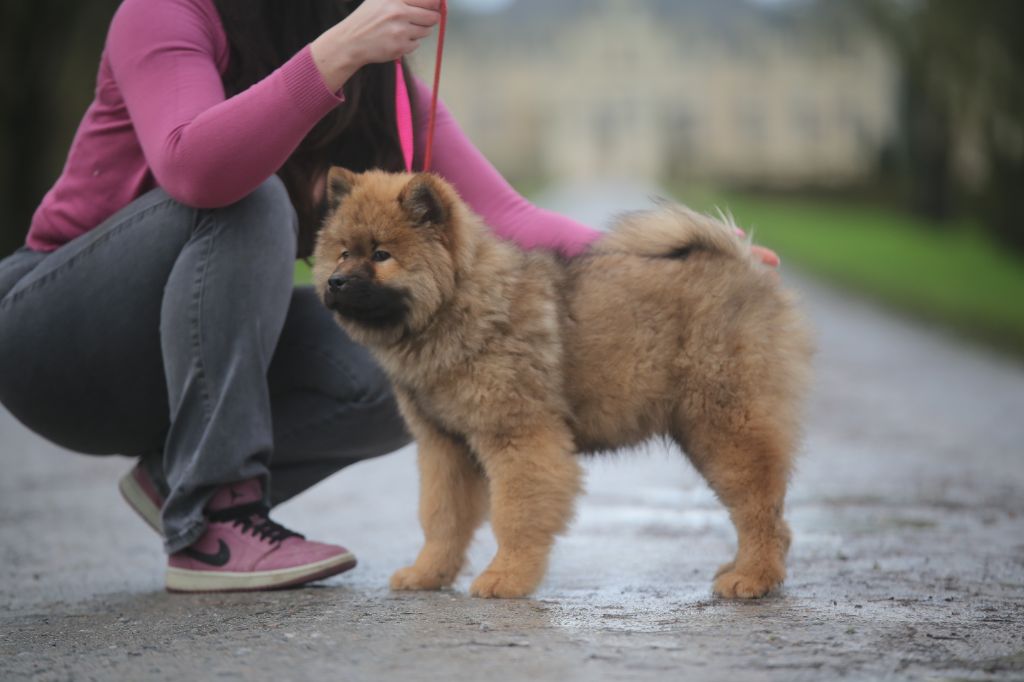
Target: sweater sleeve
[204,149]
[504,210]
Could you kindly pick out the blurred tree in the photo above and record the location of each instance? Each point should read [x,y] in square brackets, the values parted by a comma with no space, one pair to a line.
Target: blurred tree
[962,96]
[49,53]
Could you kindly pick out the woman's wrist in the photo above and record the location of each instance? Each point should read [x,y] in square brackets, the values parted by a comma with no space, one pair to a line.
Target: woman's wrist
[335,58]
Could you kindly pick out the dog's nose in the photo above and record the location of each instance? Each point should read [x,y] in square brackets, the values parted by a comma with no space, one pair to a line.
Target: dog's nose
[336,282]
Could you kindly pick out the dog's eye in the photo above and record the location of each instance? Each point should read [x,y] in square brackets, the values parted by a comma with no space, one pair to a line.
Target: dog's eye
[381,256]
[344,255]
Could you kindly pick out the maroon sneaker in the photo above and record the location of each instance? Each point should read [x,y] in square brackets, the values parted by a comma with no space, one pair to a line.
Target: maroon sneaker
[242,549]
[141,494]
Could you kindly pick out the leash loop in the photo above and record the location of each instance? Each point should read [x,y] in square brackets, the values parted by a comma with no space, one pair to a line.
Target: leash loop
[403,111]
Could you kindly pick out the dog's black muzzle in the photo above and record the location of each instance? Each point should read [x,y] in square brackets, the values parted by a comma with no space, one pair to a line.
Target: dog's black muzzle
[362,300]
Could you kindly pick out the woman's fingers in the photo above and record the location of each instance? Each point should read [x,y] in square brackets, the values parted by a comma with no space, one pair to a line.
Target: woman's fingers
[434,5]
[419,32]
[413,46]
[423,17]
[767,256]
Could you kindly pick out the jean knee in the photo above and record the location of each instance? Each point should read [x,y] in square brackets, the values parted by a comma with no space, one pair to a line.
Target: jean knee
[265,218]
[373,404]
[382,427]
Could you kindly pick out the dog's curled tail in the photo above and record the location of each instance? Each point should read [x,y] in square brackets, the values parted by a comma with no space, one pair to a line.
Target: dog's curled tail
[673,231]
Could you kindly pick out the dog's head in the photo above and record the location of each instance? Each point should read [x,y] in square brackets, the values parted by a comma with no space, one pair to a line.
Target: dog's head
[388,254]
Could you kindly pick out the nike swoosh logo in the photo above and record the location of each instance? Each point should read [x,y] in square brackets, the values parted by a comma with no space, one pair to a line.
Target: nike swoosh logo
[222,556]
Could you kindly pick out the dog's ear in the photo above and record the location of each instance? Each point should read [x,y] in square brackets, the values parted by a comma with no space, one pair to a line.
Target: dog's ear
[340,182]
[423,201]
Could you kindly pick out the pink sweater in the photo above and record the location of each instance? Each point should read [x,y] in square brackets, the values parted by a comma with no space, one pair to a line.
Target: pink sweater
[160,118]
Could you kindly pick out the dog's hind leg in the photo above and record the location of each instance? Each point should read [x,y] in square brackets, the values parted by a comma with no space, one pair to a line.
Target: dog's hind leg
[748,469]
[453,503]
[534,481]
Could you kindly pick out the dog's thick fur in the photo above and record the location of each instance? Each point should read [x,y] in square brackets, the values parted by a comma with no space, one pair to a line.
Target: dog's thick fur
[507,363]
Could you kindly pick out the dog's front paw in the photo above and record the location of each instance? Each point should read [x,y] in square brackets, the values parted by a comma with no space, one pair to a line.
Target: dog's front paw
[501,585]
[733,584]
[413,578]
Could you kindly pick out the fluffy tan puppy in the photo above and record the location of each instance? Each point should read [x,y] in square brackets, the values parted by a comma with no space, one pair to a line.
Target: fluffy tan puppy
[508,363]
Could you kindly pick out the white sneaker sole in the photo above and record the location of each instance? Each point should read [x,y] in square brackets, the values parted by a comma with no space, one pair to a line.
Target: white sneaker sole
[140,502]
[185,580]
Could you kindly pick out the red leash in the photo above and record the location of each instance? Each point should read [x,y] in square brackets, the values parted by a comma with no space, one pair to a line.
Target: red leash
[403,112]
[428,150]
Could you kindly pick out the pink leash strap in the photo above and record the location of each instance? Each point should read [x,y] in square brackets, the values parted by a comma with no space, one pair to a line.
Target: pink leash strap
[403,110]
[403,114]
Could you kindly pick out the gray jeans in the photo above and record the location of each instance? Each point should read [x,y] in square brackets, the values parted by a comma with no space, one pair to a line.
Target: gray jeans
[175,334]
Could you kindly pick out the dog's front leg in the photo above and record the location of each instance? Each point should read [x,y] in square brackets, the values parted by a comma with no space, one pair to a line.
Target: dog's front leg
[453,503]
[534,480]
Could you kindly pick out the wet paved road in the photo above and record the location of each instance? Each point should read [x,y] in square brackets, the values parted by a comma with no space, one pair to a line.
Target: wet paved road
[908,559]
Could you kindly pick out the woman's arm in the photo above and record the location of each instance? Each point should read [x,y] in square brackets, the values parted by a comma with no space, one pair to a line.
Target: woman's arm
[488,193]
[206,150]
[203,149]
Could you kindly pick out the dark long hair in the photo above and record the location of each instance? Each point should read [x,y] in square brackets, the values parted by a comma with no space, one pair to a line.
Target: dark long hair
[360,134]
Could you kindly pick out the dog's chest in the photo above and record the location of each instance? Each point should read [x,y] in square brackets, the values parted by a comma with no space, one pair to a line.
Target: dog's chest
[439,405]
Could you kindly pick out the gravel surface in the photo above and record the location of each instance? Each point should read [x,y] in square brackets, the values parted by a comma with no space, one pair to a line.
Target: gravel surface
[907,563]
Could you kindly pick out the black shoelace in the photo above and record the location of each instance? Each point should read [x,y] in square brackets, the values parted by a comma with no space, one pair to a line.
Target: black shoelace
[253,518]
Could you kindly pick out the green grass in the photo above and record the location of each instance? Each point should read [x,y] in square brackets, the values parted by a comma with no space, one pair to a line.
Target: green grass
[951,275]
[303,275]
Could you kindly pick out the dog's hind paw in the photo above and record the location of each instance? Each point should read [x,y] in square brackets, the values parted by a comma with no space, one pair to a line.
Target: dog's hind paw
[412,578]
[732,584]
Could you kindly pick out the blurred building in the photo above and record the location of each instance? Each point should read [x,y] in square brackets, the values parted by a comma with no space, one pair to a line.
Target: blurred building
[718,90]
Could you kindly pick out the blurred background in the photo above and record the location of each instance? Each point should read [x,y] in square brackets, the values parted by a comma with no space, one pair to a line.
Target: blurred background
[878,144]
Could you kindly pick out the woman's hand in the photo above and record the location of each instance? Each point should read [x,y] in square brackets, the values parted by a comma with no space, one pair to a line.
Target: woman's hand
[377,31]
[767,256]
